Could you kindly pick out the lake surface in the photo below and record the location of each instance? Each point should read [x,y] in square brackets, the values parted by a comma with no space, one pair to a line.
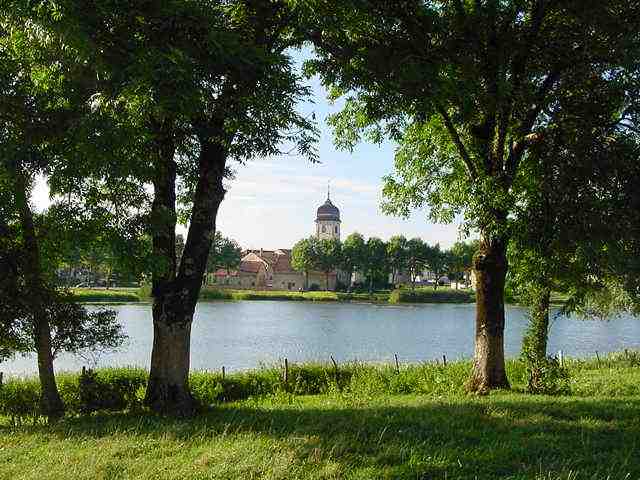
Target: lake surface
[246,334]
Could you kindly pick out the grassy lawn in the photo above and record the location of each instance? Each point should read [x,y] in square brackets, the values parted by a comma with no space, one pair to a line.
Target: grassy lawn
[358,433]
[504,435]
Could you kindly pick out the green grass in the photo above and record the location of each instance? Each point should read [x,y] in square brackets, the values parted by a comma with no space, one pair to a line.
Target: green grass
[420,295]
[415,424]
[114,295]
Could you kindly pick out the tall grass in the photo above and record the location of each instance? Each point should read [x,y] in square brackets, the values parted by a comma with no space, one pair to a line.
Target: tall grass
[115,389]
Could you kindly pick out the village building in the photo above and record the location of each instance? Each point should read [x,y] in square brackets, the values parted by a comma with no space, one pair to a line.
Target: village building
[271,269]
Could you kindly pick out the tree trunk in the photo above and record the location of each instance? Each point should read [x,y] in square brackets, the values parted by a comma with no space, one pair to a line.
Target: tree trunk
[168,388]
[371,282]
[51,403]
[491,268]
[326,281]
[176,294]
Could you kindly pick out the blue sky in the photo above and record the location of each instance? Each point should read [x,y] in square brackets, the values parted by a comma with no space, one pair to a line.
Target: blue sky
[271,203]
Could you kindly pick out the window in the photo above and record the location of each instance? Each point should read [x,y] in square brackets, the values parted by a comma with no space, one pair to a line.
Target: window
[336,230]
[324,229]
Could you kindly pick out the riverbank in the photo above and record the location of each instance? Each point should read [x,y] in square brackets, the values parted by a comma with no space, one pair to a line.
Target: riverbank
[420,295]
[410,424]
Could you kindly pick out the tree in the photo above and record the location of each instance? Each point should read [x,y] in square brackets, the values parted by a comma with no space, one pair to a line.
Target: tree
[397,255]
[461,259]
[354,251]
[43,97]
[225,253]
[375,261]
[304,257]
[327,257]
[468,89]
[416,257]
[572,243]
[436,261]
[205,83]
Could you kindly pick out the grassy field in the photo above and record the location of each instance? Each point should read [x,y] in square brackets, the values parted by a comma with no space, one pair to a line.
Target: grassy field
[359,433]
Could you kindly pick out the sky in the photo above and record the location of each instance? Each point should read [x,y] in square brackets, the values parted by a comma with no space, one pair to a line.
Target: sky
[271,203]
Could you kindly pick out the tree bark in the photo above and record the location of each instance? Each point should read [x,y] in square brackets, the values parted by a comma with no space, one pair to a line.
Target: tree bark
[50,401]
[491,269]
[176,294]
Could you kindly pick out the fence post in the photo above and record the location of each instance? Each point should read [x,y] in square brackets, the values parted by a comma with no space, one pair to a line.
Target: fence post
[598,358]
[397,364]
[444,360]
[286,373]
[1,378]
[335,367]
[223,372]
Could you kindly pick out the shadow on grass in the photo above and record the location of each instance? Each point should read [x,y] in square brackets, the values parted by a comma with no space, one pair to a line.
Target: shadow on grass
[496,437]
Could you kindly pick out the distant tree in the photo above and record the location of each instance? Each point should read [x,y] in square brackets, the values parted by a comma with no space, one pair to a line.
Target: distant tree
[460,260]
[397,255]
[375,261]
[354,251]
[436,261]
[468,89]
[416,258]
[328,256]
[225,253]
[304,257]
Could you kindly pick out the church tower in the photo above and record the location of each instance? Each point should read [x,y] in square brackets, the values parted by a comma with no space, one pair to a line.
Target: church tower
[328,220]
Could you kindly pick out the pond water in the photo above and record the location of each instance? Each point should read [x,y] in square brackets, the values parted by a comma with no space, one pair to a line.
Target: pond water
[246,334]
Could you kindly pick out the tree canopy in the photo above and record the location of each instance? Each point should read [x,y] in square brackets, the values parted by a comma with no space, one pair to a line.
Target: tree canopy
[468,89]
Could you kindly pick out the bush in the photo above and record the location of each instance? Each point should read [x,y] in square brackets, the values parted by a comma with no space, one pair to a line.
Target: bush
[110,389]
[213,294]
[548,377]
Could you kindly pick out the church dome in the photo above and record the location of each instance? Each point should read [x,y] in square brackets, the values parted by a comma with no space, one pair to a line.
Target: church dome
[328,212]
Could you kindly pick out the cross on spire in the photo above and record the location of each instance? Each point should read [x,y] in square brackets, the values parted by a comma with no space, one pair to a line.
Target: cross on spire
[328,189]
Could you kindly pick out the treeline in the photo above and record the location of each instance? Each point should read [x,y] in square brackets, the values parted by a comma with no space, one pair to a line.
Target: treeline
[375,260]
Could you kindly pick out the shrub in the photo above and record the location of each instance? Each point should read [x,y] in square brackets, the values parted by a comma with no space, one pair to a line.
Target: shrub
[213,294]
[20,399]
[111,389]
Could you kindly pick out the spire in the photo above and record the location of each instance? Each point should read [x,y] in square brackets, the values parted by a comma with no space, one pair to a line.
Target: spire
[329,190]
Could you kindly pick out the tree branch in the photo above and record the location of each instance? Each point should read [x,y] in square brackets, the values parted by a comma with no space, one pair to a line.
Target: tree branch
[455,137]
[518,148]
